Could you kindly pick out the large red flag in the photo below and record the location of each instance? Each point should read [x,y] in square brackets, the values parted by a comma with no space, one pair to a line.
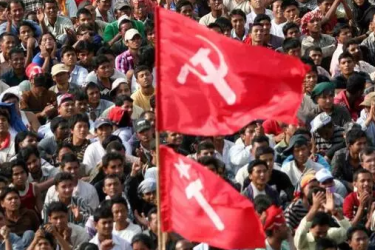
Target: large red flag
[202,207]
[209,84]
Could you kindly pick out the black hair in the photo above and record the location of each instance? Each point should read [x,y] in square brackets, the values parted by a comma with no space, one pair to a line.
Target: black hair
[347,44]
[147,56]
[81,96]
[47,33]
[313,191]
[5,112]
[360,171]
[139,69]
[6,34]
[90,85]
[3,4]
[367,151]
[16,50]
[291,43]
[85,46]
[210,160]
[215,25]
[205,145]
[260,139]
[261,203]
[88,246]
[325,243]
[354,135]
[111,157]
[8,96]
[56,122]
[49,1]
[255,24]
[119,100]
[288,26]
[62,176]
[238,12]
[288,3]
[4,179]
[181,4]
[105,50]
[118,199]
[261,17]
[302,131]
[152,211]
[7,191]
[255,163]
[149,26]
[66,49]
[356,84]
[83,11]
[109,139]
[56,206]
[16,2]
[103,212]
[353,229]
[64,145]
[111,177]
[313,48]
[264,150]
[67,158]
[78,118]
[224,23]
[145,239]
[153,102]
[339,27]
[25,153]
[18,163]
[99,60]
[310,62]
[345,55]
[320,219]
[144,113]
[85,27]
[124,21]
[21,136]
[115,146]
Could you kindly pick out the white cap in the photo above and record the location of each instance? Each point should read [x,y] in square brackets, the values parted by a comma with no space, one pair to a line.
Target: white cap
[130,33]
[319,121]
[323,175]
[117,83]
[122,18]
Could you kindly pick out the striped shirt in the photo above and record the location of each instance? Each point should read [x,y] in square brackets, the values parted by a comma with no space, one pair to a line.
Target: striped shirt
[124,62]
[79,150]
[323,145]
[294,213]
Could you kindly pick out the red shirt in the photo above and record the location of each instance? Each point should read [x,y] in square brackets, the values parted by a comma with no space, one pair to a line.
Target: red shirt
[351,204]
[342,100]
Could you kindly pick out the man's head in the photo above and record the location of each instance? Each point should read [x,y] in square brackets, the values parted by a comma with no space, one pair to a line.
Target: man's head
[79,126]
[258,172]
[65,104]
[185,7]
[356,85]
[133,39]
[238,20]
[17,59]
[316,54]
[57,213]
[143,77]
[320,225]
[103,128]
[85,53]
[10,199]
[205,148]
[363,181]
[103,220]
[356,141]
[325,179]
[122,8]
[70,164]
[324,6]
[267,154]
[103,5]
[16,9]
[353,47]
[64,185]
[93,93]
[290,9]
[81,102]
[311,77]
[152,217]
[147,190]
[323,126]
[265,20]
[60,72]
[31,156]
[346,63]
[68,56]
[298,147]
[259,141]
[142,242]
[51,8]
[276,10]
[60,128]
[103,67]
[225,24]
[120,87]
[342,32]
[257,33]
[326,244]
[112,185]
[7,42]
[143,130]
[358,237]
[291,30]
[125,25]
[84,17]
[215,5]
[150,32]
[323,94]
[292,47]
[275,225]
[19,173]
[213,164]
[367,157]
[113,163]
[119,209]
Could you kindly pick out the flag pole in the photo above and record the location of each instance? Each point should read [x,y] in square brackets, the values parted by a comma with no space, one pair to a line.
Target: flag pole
[161,235]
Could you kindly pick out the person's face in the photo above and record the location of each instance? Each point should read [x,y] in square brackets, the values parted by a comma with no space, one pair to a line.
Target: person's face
[310,81]
[85,19]
[316,56]
[296,52]
[187,11]
[293,32]
[69,58]
[359,241]
[291,12]
[368,162]
[140,9]
[174,138]
[270,159]
[206,152]
[125,27]
[17,11]
[111,59]
[104,227]
[112,187]
[62,131]
[257,34]
[104,70]
[80,130]
[72,168]
[4,124]
[344,35]
[94,95]
[145,136]
[327,183]
[9,42]
[120,212]
[301,154]
[149,197]
[85,57]
[139,246]
[312,184]
[276,9]
[151,118]
[59,220]
[92,10]
[19,176]
[51,10]
[355,50]
[81,106]
[325,6]
[326,133]
[238,23]
[144,78]
[63,152]
[104,5]
[266,26]
[128,107]
[61,78]
[17,61]
[48,41]
[259,175]
[151,36]
[115,167]
[33,164]
[43,244]
[314,25]
[215,4]
[257,4]
[28,141]
[249,133]
[123,89]
[346,66]
[25,33]
[134,43]
[104,131]
[66,109]
[358,145]
[258,145]
[364,183]
[2,9]
[319,231]
[359,2]
[153,223]
[65,189]
[11,202]
[325,100]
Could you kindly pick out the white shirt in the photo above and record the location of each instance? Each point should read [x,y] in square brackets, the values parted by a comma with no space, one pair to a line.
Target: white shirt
[127,233]
[256,192]
[251,16]
[93,155]
[207,19]
[334,67]
[295,174]
[232,4]
[225,157]
[118,243]
[83,189]
[277,29]
[60,25]
[239,155]
[78,75]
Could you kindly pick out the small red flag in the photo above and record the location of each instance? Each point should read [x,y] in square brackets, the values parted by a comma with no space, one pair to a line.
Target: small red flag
[202,207]
[209,84]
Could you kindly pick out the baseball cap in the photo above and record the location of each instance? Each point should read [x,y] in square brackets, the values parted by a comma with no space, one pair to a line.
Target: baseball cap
[59,68]
[121,4]
[32,70]
[296,139]
[368,98]
[102,121]
[115,85]
[142,125]
[306,179]
[130,33]
[323,175]
[115,114]
[319,121]
[63,98]
[122,18]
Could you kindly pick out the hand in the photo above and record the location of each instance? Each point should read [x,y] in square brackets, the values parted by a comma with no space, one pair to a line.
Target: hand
[136,168]
[141,218]
[67,233]
[40,15]
[77,215]
[53,52]
[31,43]
[50,229]
[279,137]
[330,202]
[7,16]
[364,198]
[297,20]
[259,130]
[39,234]
[318,200]
[106,245]
[129,75]
[43,51]
[48,110]
[4,231]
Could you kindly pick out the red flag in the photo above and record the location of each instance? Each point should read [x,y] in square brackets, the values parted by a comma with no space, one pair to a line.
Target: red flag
[209,84]
[202,207]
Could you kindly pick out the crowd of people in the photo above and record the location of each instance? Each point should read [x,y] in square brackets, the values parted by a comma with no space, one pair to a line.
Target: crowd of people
[77,124]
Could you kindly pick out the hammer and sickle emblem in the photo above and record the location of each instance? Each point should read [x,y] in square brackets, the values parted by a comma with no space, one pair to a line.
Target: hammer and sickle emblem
[215,76]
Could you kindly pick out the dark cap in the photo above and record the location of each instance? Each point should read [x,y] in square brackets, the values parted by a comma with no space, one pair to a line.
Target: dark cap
[322,87]
[142,125]
[121,4]
[102,121]
[296,139]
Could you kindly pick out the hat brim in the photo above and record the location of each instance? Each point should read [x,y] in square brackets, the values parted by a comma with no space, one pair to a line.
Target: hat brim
[143,129]
[61,71]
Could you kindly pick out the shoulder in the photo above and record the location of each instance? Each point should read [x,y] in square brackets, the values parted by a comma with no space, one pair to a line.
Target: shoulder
[350,198]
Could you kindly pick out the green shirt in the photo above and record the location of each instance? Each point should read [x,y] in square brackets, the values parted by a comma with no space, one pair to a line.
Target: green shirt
[112,30]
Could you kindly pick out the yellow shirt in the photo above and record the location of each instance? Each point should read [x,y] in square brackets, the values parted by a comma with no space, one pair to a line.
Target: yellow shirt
[142,100]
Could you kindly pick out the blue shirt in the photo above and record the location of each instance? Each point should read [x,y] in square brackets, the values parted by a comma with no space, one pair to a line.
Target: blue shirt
[14,29]
[320,160]
[40,60]
[16,241]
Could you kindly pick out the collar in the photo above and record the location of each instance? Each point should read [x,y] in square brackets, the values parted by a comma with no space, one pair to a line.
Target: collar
[2,58]
[234,35]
